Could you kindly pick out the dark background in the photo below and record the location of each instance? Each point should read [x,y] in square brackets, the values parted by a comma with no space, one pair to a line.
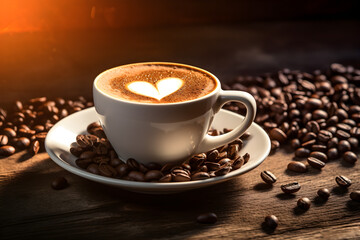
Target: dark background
[56,48]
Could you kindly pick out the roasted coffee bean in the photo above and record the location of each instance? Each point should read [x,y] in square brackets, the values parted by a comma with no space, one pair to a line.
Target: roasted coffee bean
[213,155]
[324,135]
[238,163]
[354,143]
[166,178]
[344,127]
[133,164]
[290,187]
[355,196]
[355,132]
[153,166]
[344,146]
[246,157]
[271,221]
[333,142]
[277,134]
[343,181]
[3,140]
[309,136]
[59,183]
[268,177]
[313,126]
[122,169]
[350,157]
[319,155]
[304,203]
[181,177]
[225,161]
[319,148]
[76,151]
[274,145]
[319,114]
[200,176]
[315,163]
[295,143]
[9,132]
[233,150]
[39,128]
[7,150]
[26,133]
[342,134]
[223,171]
[41,136]
[245,135]
[153,175]
[35,147]
[115,162]
[136,176]
[308,144]
[22,143]
[302,152]
[84,141]
[87,154]
[323,193]
[332,153]
[207,218]
[83,163]
[297,167]
[107,170]
[93,168]
[212,166]
[92,126]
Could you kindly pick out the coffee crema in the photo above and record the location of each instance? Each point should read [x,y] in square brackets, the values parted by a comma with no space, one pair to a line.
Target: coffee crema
[157,83]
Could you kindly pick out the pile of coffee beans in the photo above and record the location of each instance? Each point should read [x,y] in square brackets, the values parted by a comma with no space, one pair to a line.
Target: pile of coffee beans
[317,113]
[95,154]
[25,125]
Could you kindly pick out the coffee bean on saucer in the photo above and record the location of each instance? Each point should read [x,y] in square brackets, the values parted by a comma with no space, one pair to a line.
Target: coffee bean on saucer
[181,177]
[291,187]
[343,181]
[223,171]
[200,176]
[166,178]
[355,195]
[298,167]
[268,177]
[323,193]
[122,169]
[246,157]
[271,221]
[304,203]
[59,183]
[207,218]
[153,175]
[93,168]
[133,164]
[315,163]
[136,176]
[7,150]
[107,170]
[238,163]
[213,155]
[350,157]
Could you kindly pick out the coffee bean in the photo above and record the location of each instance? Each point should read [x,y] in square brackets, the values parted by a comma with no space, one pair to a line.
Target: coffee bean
[136,176]
[277,134]
[238,163]
[83,163]
[76,151]
[200,176]
[153,175]
[268,177]
[3,140]
[225,161]
[274,145]
[355,132]
[246,157]
[319,148]
[181,177]
[107,170]
[342,134]
[302,152]
[355,196]
[212,166]
[332,153]
[323,193]
[93,168]
[207,218]
[22,143]
[9,132]
[354,143]
[7,150]
[271,221]
[304,203]
[350,157]
[223,171]
[59,183]
[115,162]
[87,154]
[324,135]
[295,143]
[35,147]
[153,166]
[122,169]
[344,146]
[343,181]
[233,150]
[212,156]
[166,178]
[315,163]
[319,114]
[297,167]
[290,187]
[333,142]
[319,155]
[133,164]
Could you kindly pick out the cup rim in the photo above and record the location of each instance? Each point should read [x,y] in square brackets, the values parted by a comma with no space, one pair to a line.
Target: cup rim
[213,92]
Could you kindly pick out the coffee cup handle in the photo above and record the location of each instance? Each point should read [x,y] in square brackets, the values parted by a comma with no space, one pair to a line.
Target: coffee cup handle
[211,142]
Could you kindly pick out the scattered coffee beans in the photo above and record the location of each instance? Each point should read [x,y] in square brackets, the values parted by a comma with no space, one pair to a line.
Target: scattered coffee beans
[95,154]
[297,167]
[355,196]
[323,193]
[59,183]
[315,163]
[350,157]
[271,221]
[207,218]
[343,181]
[304,203]
[291,187]
[268,177]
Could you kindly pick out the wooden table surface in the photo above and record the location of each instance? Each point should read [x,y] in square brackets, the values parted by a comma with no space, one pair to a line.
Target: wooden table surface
[64,64]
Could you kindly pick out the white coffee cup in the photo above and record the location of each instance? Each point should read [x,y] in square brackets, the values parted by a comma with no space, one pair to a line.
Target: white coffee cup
[167,132]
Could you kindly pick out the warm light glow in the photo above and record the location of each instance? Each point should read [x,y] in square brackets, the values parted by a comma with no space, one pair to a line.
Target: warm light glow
[164,87]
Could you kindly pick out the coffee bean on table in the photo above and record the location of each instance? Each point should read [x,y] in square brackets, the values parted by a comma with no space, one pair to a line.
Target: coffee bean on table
[354,143]
[277,134]
[319,155]
[350,157]
[315,163]
[268,177]
[207,218]
[332,153]
[302,152]
[291,187]
[35,147]
[59,183]
[7,150]
[343,181]
[323,193]
[271,221]
[355,195]
[9,132]
[295,143]
[344,146]
[304,203]
[297,167]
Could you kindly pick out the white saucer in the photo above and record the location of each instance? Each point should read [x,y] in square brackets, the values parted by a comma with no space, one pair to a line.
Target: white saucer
[63,133]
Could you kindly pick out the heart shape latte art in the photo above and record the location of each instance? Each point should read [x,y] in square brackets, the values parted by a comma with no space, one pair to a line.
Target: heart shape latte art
[164,87]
